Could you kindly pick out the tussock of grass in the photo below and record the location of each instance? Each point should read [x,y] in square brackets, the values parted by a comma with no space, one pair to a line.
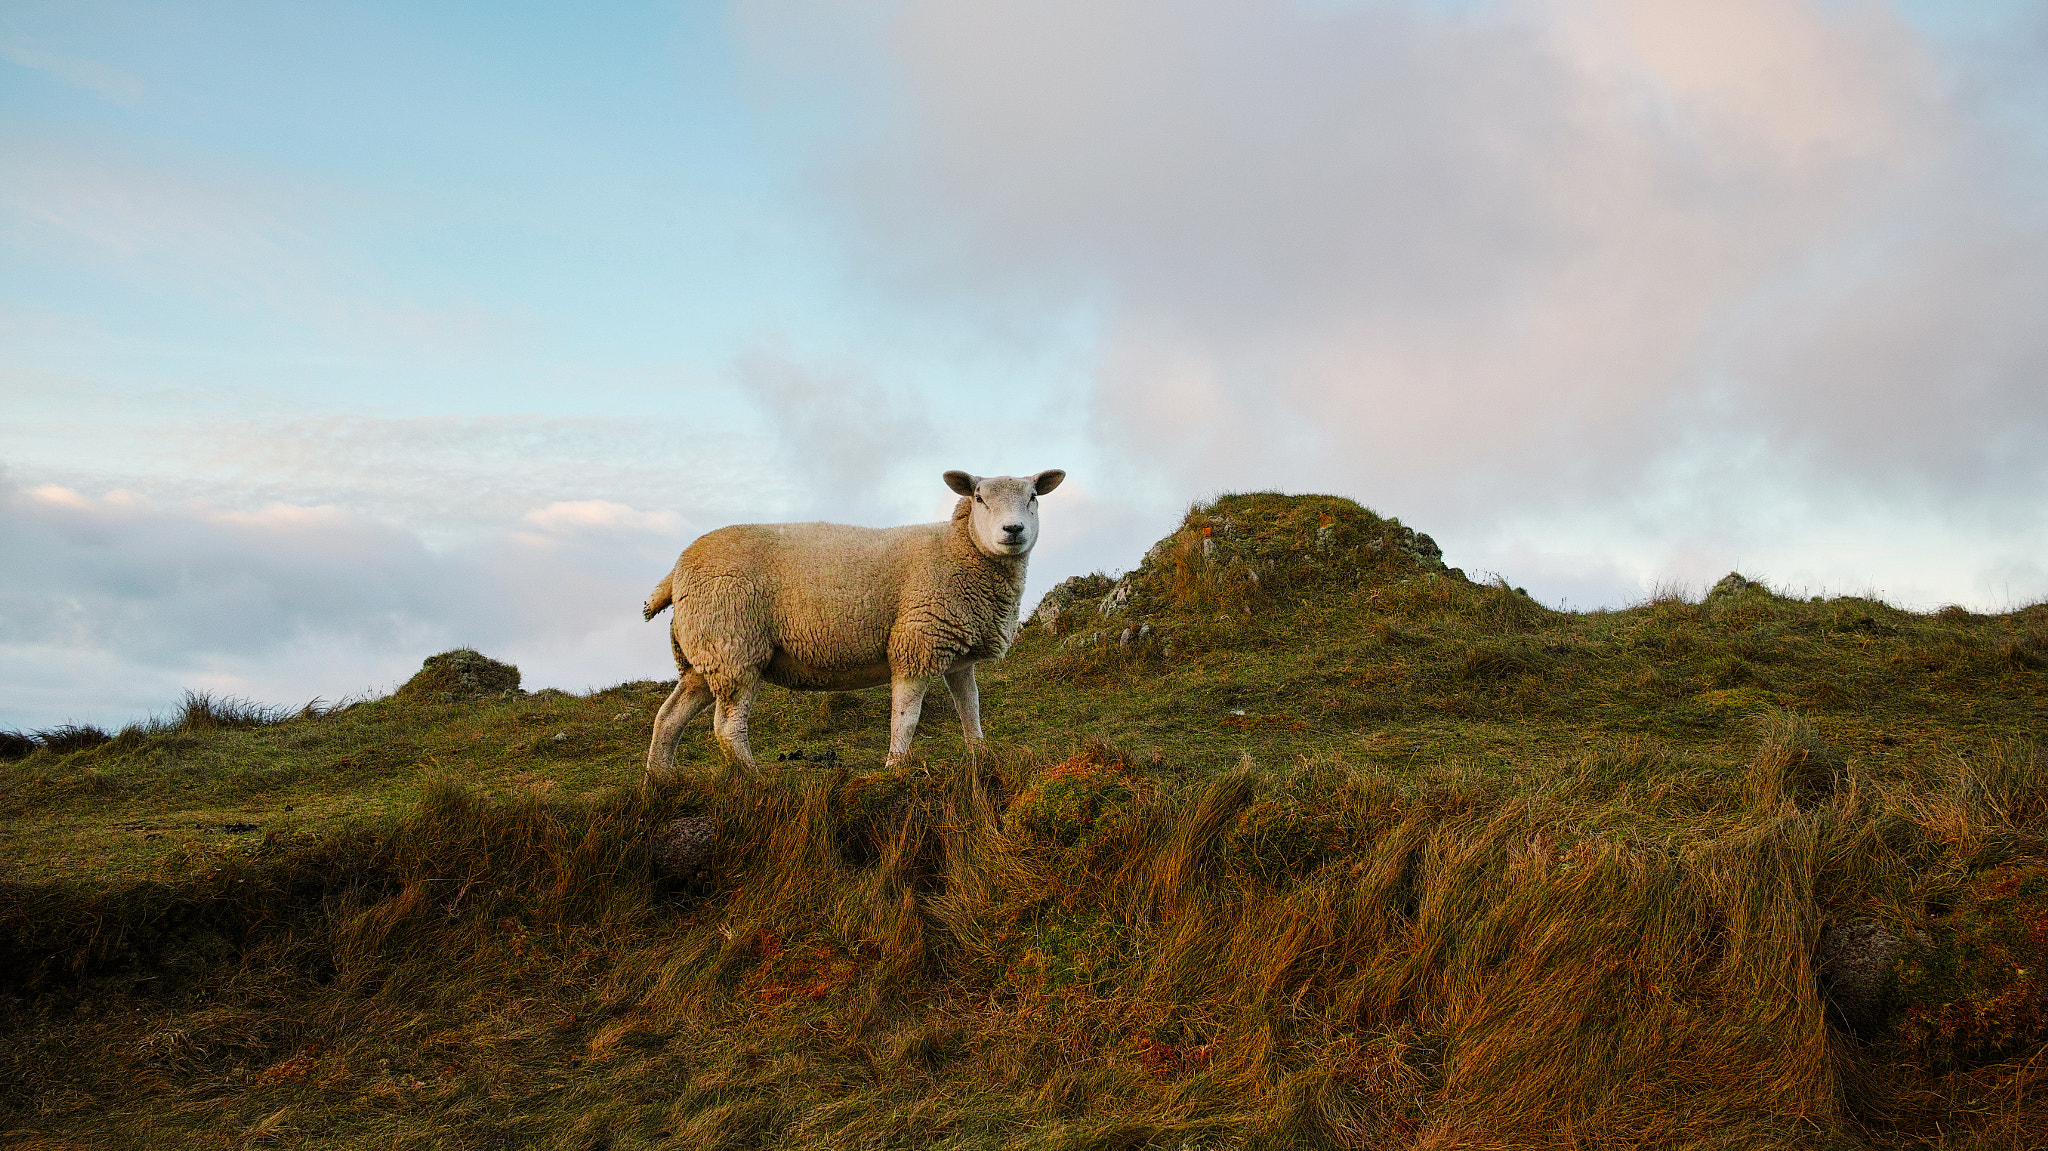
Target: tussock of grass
[1382,857]
[203,711]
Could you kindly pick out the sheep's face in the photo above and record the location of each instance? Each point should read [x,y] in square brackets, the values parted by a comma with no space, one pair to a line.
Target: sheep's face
[1002,511]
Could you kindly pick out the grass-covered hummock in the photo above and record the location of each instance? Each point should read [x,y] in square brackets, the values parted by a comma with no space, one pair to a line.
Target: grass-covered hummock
[1291,837]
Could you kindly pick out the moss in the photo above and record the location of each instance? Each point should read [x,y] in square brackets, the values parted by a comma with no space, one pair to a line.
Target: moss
[1079,811]
[1980,992]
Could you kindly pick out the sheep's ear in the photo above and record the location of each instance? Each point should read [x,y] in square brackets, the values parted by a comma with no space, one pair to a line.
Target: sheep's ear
[962,482]
[1046,481]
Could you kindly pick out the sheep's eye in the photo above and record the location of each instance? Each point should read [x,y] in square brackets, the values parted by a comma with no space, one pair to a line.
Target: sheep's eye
[977,499]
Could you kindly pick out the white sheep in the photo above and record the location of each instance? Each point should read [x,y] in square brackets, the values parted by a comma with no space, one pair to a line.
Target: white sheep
[827,607]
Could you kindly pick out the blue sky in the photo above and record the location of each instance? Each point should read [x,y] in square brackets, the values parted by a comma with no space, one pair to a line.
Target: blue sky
[334,335]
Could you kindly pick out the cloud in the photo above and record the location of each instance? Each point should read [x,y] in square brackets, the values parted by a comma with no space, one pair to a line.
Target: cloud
[156,584]
[581,517]
[103,80]
[843,443]
[1502,269]
[111,604]
[452,478]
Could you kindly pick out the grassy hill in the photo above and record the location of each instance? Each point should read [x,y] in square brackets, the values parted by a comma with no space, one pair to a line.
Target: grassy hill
[1292,837]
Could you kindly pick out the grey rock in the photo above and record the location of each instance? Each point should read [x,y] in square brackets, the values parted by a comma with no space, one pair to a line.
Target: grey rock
[1119,595]
[1067,595]
[684,848]
[1856,961]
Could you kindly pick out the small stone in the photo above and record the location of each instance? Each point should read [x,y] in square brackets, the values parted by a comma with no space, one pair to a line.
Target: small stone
[1119,595]
[1854,961]
[683,848]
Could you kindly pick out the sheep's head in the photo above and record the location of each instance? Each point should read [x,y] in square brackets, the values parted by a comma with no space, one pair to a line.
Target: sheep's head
[1002,511]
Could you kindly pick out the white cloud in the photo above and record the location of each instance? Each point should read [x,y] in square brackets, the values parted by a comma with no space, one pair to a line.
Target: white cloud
[110,605]
[1501,269]
[564,517]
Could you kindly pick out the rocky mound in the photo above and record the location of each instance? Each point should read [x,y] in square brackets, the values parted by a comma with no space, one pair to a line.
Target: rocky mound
[1240,553]
[461,674]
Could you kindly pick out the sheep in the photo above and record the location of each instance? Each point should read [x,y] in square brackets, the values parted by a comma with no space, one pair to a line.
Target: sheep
[828,607]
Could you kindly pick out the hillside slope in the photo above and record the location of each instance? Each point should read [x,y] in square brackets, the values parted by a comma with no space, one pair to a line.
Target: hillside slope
[1290,837]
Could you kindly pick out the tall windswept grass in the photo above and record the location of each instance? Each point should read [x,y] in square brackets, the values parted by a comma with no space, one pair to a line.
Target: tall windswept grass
[1091,952]
[205,711]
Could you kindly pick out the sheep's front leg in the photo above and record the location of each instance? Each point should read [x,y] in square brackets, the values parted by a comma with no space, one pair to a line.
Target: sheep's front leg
[906,703]
[966,701]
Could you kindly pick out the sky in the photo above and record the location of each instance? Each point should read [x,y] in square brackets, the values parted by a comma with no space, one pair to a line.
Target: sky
[336,335]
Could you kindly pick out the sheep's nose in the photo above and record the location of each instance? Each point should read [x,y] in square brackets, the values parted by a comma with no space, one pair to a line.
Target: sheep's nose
[1014,529]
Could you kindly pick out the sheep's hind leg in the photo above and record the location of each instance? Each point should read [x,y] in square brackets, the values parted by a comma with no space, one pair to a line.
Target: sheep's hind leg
[906,703]
[735,697]
[679,709]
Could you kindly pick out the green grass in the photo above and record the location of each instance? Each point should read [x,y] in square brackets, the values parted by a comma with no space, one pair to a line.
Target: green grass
[1355,853]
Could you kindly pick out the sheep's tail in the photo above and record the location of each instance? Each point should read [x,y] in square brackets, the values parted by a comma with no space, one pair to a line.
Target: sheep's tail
[660,598]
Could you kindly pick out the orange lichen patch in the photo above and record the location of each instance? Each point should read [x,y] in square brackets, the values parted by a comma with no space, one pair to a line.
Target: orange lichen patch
[1079,808]
[795,973]
[291,1069]
[1167,1060]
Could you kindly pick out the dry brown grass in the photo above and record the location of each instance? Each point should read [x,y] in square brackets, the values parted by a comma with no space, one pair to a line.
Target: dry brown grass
[1010,952]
